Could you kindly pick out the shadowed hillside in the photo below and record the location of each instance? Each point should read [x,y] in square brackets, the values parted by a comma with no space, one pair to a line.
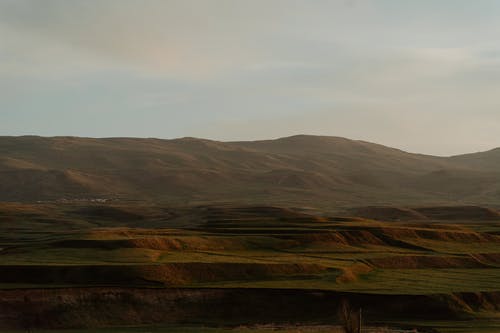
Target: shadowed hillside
[305,170]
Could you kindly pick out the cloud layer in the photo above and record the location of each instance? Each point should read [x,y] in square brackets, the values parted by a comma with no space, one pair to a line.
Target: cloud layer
[422,75]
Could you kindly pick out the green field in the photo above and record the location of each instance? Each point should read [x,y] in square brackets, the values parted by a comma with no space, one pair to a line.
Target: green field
[349,255]
[74,245]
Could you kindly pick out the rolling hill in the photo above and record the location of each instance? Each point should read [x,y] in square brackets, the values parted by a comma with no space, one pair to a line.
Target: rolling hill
[303,170]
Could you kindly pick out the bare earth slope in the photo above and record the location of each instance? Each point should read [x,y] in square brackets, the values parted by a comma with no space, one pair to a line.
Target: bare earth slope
[305,170]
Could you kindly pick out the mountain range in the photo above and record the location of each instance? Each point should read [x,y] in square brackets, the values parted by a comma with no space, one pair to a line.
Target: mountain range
[303,170]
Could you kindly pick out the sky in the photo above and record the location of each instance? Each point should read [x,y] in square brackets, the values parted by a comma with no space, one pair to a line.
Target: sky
[422,76]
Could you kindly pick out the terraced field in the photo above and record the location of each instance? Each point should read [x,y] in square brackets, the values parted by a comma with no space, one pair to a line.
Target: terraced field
[451,262]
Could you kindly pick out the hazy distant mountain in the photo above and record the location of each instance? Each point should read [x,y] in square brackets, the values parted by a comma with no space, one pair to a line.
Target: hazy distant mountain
[300,170]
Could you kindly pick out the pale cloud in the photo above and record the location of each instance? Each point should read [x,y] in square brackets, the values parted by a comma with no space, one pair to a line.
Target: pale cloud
[420,75]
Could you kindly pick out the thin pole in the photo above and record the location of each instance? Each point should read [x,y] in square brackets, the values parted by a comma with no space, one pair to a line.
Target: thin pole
[359,321]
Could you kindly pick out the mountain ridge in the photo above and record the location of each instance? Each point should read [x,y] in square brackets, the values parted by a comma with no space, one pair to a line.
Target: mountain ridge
[495,150]
[300,169]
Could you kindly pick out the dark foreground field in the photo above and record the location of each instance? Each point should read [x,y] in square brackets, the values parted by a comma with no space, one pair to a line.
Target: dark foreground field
[95,265]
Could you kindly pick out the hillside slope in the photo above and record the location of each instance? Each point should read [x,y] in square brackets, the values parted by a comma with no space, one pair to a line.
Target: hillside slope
[300,170]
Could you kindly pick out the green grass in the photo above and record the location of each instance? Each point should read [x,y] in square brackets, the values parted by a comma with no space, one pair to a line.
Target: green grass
[233,237]
[396,281]
[339,247]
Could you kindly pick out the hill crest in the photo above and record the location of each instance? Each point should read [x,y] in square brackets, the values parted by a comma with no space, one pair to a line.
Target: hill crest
[302,169]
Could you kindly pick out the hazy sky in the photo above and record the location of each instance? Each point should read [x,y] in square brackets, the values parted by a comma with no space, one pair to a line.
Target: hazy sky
[419,75]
